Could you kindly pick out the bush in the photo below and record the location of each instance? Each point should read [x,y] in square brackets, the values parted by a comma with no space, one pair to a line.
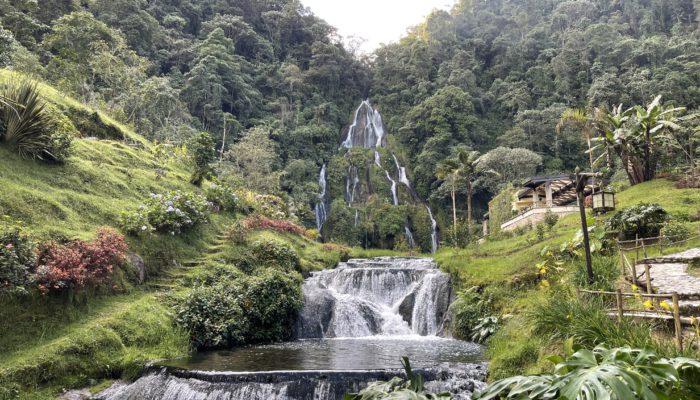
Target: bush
[272,253]
[258,221]
[221,196]
[550,219]
[643,220]
[202,153]
[32,128]
[606,271]
[540,230]
[676,231]
[78,264]
[237,232]
[17,261]
[174,213]
[230,308]
[470,307]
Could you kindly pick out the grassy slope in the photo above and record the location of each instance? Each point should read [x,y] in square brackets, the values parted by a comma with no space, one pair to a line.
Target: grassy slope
[52,343]
[506,268]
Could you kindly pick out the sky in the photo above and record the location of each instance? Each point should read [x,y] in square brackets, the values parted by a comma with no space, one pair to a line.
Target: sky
[377,21]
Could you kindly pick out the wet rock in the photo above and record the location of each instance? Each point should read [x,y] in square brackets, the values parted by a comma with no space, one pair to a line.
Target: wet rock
[138,266]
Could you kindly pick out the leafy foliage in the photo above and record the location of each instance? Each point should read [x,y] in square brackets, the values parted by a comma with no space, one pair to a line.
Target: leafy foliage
[78,264]
[222,196]
[17,260]
[258,221]
[643,220]
[173,212]
[676,231]
[202,154]
[272,253]
[229,308]
[398,389]
[601,373]
[468,310]
[32,129]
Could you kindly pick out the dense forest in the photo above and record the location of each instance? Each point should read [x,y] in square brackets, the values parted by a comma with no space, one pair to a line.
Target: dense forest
[274,85]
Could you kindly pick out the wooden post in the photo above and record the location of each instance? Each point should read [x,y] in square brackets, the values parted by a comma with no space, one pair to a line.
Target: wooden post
[636,245]
[677,322]
[644,247]
[647,272]
[634,273]
[622,264]
[620,310]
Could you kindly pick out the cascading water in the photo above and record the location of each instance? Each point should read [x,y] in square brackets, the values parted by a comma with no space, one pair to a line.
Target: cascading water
[394,193]
[367,129]
[409,235]
[433,233]
[403,178]
[321,208]
[357,217]
[351,182]
[357,320]
[377,159]
[385,296]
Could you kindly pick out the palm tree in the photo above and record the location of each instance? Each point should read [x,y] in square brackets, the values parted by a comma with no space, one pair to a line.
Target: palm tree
[448,171]
[583,121]
[468,163]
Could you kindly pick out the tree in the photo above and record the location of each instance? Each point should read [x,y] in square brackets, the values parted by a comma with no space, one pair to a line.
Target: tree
[448,172]
[254,161]
[583,121]
[510,165]
[202,154]
[468,169]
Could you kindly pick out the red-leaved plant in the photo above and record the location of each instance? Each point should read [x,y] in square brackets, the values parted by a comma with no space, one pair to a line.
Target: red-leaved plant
[78,264]
[258,221]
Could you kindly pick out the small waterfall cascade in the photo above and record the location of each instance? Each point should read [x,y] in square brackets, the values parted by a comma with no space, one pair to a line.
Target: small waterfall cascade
[403,178]
[394,192]
[409,235]
[351,182]
[321,208]
[433,234]
[367,129]
[357,217]
[386,296]
[377,159]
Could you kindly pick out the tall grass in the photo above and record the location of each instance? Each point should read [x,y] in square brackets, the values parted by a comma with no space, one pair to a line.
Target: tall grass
[25,123]
[589,324]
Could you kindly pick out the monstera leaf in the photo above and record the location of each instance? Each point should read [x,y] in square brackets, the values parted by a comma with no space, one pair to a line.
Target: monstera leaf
[603,374]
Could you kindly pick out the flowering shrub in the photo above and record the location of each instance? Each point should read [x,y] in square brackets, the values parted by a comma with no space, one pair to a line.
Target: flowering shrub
[222,196]
[17,258]
[172,213]
[258,221]
[270,206]
[78,264]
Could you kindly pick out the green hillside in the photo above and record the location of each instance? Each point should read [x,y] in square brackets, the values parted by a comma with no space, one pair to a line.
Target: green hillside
[55,342]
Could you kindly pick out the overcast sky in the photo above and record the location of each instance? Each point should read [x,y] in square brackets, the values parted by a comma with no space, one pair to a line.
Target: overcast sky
[378,21]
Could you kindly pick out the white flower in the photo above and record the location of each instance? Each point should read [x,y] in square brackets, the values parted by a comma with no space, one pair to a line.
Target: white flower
[143,228]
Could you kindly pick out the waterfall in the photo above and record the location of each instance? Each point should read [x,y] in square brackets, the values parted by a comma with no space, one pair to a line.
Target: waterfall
[367,129]
[357,217]
[377,159]
[433,234]
[351,182]
[384,296]
[394,193]
[402,173]
[321,208]
[409,235]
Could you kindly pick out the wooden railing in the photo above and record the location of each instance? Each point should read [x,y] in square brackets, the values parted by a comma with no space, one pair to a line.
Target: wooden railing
[641,248]
[620,311]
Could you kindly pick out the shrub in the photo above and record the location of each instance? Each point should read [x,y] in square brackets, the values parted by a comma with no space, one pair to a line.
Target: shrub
[469,308]
[270,206]
[32,128]
[540,230]
[676,231]
[221,196]
[78,264]
[343,251]
[237,232]
[173,212]
[229,308]
[17,261]
[272,253]
[202,153]
[621,373]
[550,219]
[258,221]
[606,271]
[643,220]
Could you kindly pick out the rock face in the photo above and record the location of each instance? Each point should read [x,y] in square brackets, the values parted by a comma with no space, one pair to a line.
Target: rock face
[139,267]
[367,129]
[382,296]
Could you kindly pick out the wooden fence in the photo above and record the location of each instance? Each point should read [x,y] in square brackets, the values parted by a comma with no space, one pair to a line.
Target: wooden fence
[620,311]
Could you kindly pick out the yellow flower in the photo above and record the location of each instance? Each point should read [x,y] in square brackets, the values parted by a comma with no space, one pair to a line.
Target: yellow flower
[544,284]
[648,305]
[666,305]
[635,288]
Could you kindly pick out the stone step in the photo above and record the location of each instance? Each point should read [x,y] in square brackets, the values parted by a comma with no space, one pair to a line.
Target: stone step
[689,307]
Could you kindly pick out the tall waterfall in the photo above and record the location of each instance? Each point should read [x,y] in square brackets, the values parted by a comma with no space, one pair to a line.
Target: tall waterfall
[403,178]
[321,208]
[409,235]
[394,193]
[383,296]
[351,181]
[367,129]
[433,234]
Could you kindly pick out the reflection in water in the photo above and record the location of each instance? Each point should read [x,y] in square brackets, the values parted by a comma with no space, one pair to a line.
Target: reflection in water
[337,354]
